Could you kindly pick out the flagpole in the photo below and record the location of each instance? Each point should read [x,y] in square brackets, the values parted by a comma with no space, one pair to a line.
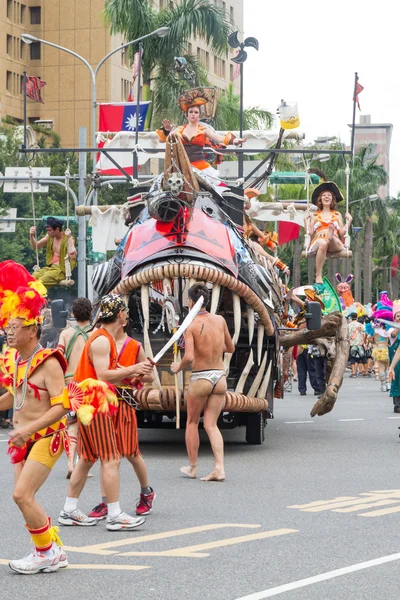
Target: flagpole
[135,152]
[353,127]
[25,110]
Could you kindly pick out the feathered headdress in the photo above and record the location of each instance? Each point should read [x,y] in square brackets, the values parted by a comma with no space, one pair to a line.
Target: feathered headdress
[194,97]
[21,295]
[329,186]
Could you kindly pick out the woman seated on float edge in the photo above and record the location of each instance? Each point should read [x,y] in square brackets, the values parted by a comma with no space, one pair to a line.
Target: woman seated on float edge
[195,135]
[325,226]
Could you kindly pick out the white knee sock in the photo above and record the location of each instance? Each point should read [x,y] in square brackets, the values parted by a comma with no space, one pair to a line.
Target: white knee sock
[70,504]
[114,510]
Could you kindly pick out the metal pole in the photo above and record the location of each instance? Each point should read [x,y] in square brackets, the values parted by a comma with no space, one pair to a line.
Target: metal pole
[240,174]
[353,126]
[94,107]
[135,153]
[24,109]
[82,221]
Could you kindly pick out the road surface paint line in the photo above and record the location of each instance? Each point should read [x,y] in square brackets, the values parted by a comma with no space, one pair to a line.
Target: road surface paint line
[4,441]
[356,501]
[380,513]
[297,422]
[295,585]
[349,420]
[393,417]
[103,548]
[110,567]
[363,506]
[321,502]
[3,561]
[192,551]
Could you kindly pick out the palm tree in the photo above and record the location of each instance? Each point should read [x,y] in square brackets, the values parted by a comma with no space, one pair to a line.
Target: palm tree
[185,19]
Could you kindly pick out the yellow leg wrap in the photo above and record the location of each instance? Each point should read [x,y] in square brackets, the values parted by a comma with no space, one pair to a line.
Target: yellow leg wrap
[41,537]
[54,535]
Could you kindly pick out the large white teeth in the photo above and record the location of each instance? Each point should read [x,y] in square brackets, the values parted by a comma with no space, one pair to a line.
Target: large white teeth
[250,323]
[257,380]
[215,294]
[145,296]
[243,378]
[260,340]
[237,318]
[167,287]
[263,389]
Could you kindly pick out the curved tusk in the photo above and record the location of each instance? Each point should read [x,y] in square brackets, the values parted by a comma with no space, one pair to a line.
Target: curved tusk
[260,340]
[145,299]
[237,317]
[250,362]
[215,294]
[250,323]
[263,389]
[167,287]
[258,378]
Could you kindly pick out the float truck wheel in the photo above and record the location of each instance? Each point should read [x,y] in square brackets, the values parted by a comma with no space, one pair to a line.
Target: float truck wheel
[255,434]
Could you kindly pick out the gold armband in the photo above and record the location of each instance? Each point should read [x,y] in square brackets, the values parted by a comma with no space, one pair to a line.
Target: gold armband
[229,138]
[63,399]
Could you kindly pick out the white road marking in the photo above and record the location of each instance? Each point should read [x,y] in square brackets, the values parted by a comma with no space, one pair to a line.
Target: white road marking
[294,422]
[393,417]
[346,420]
[295,585]
[3,441]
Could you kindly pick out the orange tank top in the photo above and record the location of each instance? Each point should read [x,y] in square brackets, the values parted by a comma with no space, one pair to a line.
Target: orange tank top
[129,353]
[85,368]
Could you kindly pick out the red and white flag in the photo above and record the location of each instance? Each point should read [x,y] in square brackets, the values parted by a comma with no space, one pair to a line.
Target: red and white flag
[359,89]
[32,88]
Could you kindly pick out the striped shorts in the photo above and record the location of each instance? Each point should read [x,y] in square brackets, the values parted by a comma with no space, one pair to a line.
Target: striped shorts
[109,438]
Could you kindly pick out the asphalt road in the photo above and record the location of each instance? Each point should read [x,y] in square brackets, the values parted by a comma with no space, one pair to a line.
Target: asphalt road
[317,506]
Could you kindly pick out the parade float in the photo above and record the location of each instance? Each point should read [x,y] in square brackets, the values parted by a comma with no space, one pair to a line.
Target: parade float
[183,229]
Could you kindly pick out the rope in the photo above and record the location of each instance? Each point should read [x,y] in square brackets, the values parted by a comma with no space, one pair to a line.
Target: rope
[67,281]
[37,266]
[307,216]
[346,235]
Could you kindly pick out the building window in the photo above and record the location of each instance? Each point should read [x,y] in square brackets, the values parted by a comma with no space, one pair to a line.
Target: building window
[9,81]
[9,9]
[232,13]
[231,72]
[36,16]
[9,45]
[35,50]
[22,14]
[21,49]
[126,87]
[189,48]
[219,67]
[204,57]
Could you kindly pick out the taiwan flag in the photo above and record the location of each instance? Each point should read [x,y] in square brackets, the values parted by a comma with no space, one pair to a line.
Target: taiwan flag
[121,116]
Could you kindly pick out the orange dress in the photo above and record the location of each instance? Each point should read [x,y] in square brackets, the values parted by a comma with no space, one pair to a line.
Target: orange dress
[193,146]
[321,226]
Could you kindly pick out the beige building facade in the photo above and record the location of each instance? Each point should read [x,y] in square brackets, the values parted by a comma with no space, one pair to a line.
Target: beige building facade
[79,26]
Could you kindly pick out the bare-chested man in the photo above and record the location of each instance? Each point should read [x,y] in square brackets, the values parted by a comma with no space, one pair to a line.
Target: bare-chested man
[35,379]
[206,340]
[58,245]
[71,343]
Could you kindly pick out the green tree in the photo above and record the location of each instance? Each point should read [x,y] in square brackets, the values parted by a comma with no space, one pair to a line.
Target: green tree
[186,19]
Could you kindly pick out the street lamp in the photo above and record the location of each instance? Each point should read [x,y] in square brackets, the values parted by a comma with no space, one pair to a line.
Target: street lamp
[239,59]
[28,39]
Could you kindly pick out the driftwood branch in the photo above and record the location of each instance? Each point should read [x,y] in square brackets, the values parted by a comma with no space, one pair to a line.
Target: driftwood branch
[333,326]
[329,328]
[327,401]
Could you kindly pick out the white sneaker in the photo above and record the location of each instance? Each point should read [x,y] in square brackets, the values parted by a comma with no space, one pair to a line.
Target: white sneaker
[76,517]
[62,557]
[124,521]
[36,562]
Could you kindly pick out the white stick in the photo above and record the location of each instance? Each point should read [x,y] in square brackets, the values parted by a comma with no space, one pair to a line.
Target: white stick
[243,378]
[257,380]
[260,339]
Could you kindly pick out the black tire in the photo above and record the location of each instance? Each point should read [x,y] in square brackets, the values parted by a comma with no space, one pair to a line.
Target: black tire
[255,434]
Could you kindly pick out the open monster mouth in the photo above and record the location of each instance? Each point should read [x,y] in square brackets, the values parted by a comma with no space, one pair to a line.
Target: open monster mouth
[249,369]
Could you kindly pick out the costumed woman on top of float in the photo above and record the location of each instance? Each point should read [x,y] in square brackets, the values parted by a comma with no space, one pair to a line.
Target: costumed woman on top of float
[196,135]
[325,226]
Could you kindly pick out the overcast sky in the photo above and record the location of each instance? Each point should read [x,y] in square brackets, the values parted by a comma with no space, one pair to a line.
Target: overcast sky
[309,52]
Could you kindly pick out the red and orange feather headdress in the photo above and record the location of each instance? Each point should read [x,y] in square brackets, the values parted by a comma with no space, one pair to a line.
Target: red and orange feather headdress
[21,295]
